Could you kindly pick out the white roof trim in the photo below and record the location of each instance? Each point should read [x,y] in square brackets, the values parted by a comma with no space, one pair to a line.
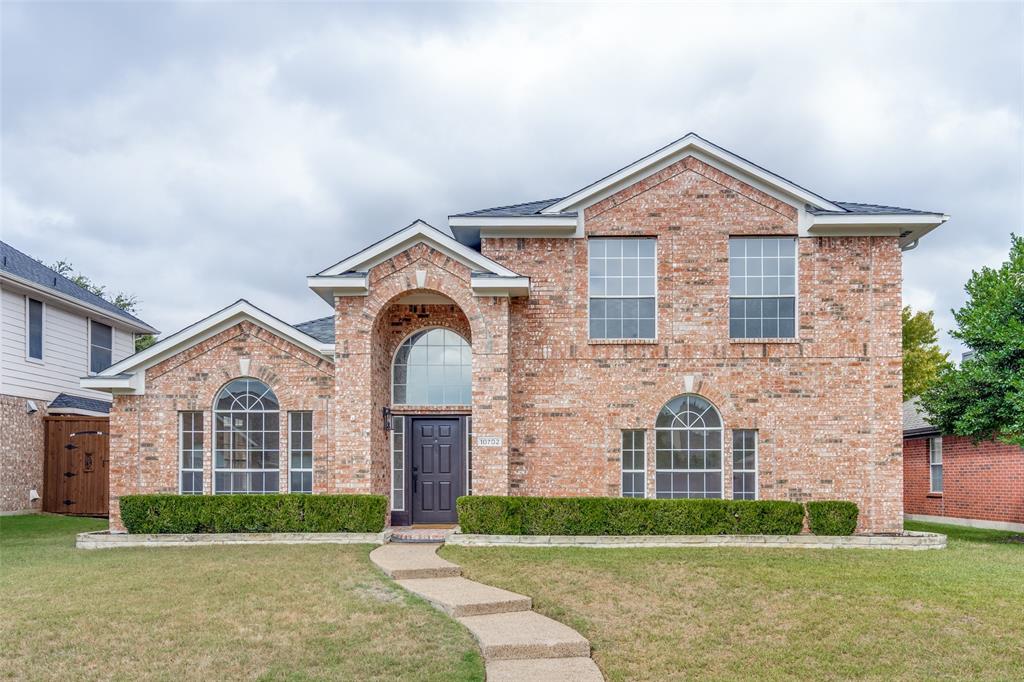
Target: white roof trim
[415,233]
[329,286]
[671,153]
[72,302]
[76,411]
[558,221]
[908,227]
[500,286]
[128,375]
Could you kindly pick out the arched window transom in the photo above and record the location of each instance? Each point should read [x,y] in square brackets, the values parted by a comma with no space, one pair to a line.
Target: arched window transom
[433,367]
[688,449]
[246,439]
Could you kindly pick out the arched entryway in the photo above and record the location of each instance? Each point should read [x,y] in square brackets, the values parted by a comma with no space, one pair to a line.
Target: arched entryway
[423,377]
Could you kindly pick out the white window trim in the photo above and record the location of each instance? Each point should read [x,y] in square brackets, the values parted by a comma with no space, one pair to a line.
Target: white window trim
[181,452]
[796,291]
[468,421]
[88,345]
[396,419]
[721,429]
[214,470]
[932,464]
[42,332]
[757,461]
[291,469]
[653,339]
[642,471]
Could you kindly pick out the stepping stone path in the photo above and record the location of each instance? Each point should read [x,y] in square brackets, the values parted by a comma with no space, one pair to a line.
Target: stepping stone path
[517,643]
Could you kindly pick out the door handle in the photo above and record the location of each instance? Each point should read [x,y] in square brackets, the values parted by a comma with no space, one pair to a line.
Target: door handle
[69,474]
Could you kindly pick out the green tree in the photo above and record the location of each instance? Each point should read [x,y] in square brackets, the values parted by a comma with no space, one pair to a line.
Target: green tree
[922,357]
[984,397]
[126,302]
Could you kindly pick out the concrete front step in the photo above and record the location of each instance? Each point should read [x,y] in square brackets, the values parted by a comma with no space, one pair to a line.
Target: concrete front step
[525,634]
[460,597]
[413,561]
[576,669]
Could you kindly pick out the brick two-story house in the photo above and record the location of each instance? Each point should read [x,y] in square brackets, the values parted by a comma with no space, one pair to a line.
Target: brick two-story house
[691,325]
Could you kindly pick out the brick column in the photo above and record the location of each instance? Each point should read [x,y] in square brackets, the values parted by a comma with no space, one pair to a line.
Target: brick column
[491,399]
[353,398]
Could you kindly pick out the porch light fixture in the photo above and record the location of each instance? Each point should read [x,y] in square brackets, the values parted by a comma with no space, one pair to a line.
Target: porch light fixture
[387,418]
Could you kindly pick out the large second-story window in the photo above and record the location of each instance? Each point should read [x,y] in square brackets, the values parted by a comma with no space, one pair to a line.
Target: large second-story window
[247,439]
[762,287]
[622,288]
[101,346]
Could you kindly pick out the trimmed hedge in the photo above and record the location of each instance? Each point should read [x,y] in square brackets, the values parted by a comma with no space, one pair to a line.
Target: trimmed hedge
[832,517]
[492,515]
[289,513]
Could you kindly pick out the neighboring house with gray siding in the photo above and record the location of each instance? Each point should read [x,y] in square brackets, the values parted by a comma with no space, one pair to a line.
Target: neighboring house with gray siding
[52,333]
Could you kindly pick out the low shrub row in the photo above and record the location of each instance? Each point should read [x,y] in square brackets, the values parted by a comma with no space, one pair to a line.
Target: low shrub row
[289,513]
[627,516]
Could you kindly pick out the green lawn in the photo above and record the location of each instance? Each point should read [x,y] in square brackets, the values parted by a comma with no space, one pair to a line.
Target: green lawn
[781,614]
[266,612]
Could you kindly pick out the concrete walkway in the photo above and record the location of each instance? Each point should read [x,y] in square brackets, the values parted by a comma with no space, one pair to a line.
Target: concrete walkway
[517,643]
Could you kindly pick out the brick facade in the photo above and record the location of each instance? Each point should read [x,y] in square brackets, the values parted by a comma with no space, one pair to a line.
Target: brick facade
[21,454]
[825,405]
[983,481]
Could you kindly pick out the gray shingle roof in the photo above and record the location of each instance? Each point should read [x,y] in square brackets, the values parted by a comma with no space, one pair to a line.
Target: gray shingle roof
[78,403]
[321,329]
[871,209]
[914,419]
[24,266]
[524,209]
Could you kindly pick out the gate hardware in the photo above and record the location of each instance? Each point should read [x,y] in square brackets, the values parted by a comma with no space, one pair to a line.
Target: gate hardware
[70,446]
[69,474]
[69,502]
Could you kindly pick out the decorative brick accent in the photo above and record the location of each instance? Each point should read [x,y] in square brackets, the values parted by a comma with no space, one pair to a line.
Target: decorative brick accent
[21,454]
[983,481]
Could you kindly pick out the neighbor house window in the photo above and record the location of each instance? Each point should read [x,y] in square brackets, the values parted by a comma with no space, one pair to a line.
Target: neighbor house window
[688,449]
[101,346]
[634,468]
[762,287]
[190,439]
[433,367]
[744,464]
[622,288]
[246,439]
[35,329]
[397,463]
[935,463]
[300,450]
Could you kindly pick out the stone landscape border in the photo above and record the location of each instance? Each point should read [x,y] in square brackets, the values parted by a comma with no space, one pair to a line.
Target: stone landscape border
[106,540]
[908,540]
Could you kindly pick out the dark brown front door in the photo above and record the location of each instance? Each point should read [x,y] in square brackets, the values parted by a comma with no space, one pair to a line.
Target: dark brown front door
[437,468]
[75,469]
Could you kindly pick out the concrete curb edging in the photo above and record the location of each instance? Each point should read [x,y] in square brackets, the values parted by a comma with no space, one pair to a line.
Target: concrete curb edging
[106,540]
[909,540]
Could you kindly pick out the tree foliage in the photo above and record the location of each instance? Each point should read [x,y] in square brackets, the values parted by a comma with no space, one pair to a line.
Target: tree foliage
[126,302]
[922,357]
[984,397]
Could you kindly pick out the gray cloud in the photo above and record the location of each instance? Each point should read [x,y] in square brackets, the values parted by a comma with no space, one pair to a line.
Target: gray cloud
[198,153]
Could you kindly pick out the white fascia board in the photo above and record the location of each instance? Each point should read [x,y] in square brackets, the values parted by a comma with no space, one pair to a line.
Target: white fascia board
[418,232]
[898,219]
[329,286]
[91,310]
[666,156]
[113,378]
[75,411]
[908,227]
[500,286]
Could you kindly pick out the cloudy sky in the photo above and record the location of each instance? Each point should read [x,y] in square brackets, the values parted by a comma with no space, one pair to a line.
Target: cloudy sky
[194,154]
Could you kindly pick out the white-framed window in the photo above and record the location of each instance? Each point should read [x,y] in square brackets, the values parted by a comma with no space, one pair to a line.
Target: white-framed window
[744,464]
[246,439]
[634,463]
[34,321]
[623,288]
[688,449]
[101,346]
[762,287]
[433,367]
[190,442]
[300,452]
[935,464]
[469,455]
[397,463]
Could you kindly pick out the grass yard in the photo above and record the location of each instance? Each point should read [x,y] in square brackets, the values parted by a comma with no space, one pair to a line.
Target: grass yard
[799,614]
[270,612]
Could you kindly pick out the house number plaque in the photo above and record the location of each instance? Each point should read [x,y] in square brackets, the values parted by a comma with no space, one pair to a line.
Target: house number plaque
[488,440]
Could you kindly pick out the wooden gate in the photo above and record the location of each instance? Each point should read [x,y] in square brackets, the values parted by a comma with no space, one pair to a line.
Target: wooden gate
[76,465]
